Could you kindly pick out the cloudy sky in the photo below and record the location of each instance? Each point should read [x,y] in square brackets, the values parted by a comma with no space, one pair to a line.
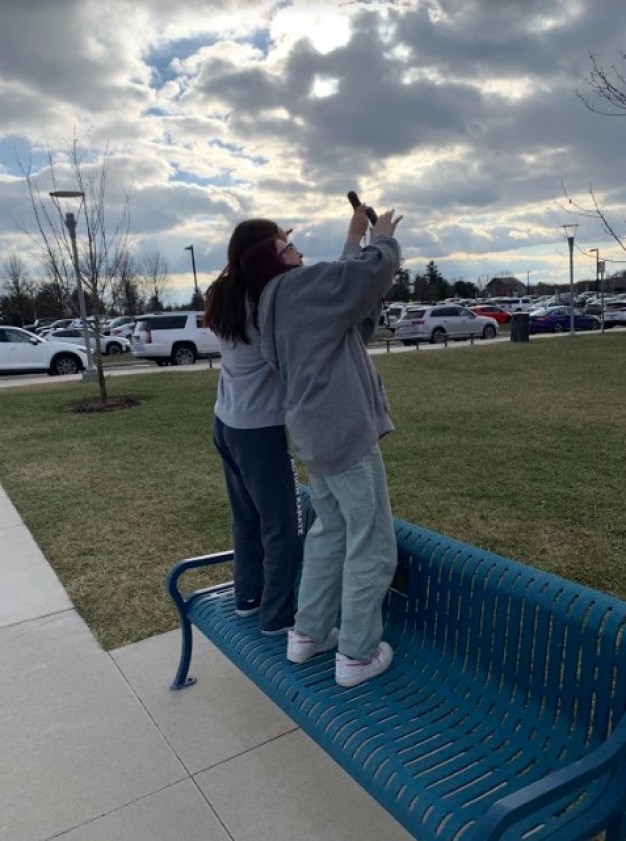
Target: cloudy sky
[461,114]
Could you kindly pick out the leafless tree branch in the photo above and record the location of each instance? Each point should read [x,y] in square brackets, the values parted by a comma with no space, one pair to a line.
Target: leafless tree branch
[607,85]
[594,209]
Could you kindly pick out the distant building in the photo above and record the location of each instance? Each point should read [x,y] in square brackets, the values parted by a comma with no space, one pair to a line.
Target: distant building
[505,286]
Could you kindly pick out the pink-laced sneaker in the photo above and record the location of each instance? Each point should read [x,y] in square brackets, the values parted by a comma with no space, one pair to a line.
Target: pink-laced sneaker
[349,672]
[301,648]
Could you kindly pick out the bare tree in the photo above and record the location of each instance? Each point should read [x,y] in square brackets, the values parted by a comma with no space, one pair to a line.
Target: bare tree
[101,249]
[155,277]
[19,288]
[609,86]
[592,208]
[127,297]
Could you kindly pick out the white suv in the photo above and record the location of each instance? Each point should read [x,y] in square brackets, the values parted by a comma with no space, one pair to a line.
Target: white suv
[173,338]
[22,352]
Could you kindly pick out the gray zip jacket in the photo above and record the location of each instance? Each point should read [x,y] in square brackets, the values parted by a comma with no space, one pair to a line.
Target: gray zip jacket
[313,320]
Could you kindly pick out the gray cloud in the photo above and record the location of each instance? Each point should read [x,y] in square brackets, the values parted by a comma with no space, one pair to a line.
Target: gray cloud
[461,113]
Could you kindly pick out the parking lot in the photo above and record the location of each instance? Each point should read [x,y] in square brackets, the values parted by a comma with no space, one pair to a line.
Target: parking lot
[379,347]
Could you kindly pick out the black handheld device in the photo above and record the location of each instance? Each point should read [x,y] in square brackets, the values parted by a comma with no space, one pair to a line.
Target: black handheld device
[355,201]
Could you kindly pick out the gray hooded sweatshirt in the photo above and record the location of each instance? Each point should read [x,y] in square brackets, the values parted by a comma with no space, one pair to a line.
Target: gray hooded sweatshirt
[311,320]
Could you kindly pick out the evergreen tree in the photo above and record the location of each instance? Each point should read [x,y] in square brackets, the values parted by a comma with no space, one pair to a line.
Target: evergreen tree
[401,290]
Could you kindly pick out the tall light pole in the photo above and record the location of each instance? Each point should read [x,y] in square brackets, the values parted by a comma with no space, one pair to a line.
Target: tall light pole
[601,265]
[597,253]
[570,233]
[193,266]
[599,284]
[70,223]
[528,271]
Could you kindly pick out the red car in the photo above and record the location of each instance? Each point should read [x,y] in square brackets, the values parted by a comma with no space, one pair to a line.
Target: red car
[502,316]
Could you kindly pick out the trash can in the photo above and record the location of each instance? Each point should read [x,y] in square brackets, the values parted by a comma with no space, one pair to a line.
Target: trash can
[520,327]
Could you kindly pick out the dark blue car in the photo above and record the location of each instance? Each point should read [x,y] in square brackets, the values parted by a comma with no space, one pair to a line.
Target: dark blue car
[557,320]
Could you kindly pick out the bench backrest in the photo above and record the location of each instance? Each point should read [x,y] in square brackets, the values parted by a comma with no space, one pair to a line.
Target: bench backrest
[550,644]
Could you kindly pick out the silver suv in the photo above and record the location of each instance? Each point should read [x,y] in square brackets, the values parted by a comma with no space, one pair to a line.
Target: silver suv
[173,338]
[442,323]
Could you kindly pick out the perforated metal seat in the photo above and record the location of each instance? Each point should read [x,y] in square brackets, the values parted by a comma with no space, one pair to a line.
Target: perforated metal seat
[501,715]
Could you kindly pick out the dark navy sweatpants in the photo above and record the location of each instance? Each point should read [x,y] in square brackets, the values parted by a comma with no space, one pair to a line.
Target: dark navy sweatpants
[268,534]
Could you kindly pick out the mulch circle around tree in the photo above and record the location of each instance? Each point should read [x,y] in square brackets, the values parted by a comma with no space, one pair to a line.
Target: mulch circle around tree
[111,404]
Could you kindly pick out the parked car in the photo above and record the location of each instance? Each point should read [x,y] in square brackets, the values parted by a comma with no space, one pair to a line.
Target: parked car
[22,352]
[390,314]
[122,325]
[515,304]
[78,322]
[439,323]
[558,320]
[615,314]
[110,345]
[56,325]
[39,324]
[594,305]
[501,315]
[176,338]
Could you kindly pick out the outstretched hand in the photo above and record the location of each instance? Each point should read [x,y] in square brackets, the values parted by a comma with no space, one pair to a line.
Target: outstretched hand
[358,224]
[385,225]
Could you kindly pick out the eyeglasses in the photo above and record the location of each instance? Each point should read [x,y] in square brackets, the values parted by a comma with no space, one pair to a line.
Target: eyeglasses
[288,247]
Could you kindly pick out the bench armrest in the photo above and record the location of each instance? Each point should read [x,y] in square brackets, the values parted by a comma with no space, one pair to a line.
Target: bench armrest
[607,759]
[171,582]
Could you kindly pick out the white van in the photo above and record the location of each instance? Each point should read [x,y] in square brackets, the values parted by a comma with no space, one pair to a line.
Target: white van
[514,304]
[173,338]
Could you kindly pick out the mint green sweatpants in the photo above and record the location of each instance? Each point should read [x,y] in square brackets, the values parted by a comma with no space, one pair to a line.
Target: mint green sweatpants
[349,557]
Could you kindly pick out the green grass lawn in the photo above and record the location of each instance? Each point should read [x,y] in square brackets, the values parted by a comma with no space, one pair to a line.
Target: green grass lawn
[121,359]
[519,448]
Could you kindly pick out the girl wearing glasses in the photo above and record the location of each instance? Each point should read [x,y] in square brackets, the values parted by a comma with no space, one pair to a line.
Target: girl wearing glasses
[249,431]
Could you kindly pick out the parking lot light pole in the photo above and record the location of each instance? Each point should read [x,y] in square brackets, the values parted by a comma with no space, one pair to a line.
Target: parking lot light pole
[89,374]
[570,233]
[597,253]
[599,283]
[601,265]
[193,266]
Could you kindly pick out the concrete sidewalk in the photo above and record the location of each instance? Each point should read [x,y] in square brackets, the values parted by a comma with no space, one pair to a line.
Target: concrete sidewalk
[95,747]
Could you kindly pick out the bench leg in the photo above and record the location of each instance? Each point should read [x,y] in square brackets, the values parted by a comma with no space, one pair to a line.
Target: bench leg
[182,678]
[616,831]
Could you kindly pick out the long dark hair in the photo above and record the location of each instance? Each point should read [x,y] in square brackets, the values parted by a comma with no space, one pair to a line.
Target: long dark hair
[252,262]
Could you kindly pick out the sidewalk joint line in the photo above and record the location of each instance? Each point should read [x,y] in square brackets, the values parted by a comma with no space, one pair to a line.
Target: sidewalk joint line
[116,809]
[50,615]
[246,751]
[150,716]
[214,810]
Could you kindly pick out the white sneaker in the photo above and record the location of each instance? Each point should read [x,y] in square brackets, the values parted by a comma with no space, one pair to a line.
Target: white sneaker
[349,672]
[301,648]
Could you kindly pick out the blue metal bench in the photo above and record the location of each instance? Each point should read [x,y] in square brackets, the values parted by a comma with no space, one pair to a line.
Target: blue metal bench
[502,715]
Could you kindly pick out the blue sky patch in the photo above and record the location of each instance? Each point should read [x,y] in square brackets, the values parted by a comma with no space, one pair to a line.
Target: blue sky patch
[16,153]
[221,179]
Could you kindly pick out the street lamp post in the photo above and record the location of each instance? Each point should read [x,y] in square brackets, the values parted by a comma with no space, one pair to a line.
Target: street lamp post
[601,265]
[599,282]
[70,223]
[193,266]
[570,233]
[597,253]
